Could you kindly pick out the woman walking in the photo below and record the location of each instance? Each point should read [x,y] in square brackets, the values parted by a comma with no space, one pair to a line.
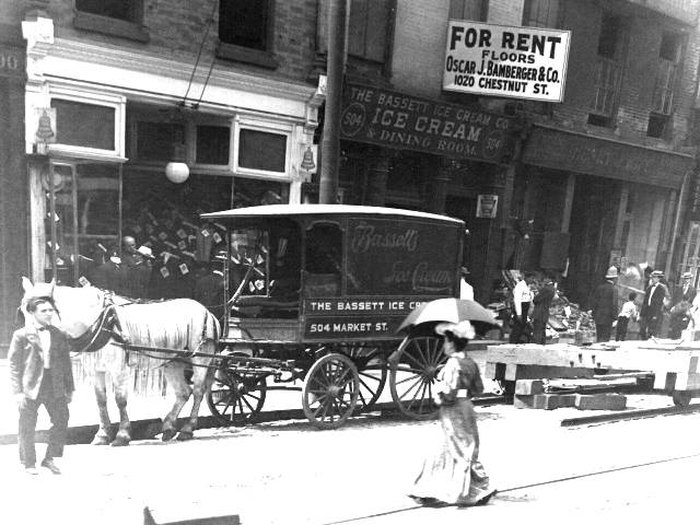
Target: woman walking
[454,475]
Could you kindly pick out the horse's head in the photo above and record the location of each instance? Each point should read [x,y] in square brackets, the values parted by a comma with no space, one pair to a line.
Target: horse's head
[77,308]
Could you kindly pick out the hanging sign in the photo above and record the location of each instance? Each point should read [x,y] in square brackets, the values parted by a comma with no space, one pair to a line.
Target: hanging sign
[506,61]
[397,120]
[487,206]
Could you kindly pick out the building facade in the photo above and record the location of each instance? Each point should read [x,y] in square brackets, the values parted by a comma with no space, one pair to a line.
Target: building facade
[104,101]
[600,178]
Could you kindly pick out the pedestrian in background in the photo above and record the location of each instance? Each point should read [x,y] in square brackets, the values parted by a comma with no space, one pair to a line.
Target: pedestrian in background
[41,374]
[522,298]
[627,312]
[454,475]
[540,315]
[680,311]
[651,313]
[604,305]
[466,290]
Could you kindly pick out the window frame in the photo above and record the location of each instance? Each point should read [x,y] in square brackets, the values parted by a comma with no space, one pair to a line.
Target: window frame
[389,29]
[263,126]
[115,102]
[249,55]
[132,30]
[527,10]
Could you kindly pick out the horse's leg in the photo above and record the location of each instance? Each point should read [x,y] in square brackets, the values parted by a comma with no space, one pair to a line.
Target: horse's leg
[120,377]
[201,381]
[175,377]
[99,383]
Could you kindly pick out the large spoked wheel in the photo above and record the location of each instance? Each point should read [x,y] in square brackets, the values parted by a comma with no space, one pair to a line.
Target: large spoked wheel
[414,371]
[331,390]
[236,398]
[372,371]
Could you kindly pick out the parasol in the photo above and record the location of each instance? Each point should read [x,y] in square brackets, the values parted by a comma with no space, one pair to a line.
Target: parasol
[451,310]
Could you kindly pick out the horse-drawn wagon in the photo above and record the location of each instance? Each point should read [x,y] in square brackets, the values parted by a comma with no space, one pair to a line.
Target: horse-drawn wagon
[314,295]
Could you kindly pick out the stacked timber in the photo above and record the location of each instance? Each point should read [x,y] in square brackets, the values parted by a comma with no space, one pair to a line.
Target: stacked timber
[537,393]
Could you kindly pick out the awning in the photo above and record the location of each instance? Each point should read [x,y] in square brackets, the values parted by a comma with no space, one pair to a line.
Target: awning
[580,153]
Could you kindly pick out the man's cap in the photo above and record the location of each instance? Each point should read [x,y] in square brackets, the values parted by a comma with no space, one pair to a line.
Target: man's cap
[657,273]
[687,275]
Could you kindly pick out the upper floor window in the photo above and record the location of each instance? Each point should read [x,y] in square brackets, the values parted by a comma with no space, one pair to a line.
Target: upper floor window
[608,72]
[668,69]
[245,31]
[127,10]
[541,13]
[122,18]
[469,10]
[369,29]
[244,23]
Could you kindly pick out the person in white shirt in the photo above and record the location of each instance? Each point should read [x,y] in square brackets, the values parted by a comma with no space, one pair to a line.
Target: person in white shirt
[466,290]
[522,298]
[627,312]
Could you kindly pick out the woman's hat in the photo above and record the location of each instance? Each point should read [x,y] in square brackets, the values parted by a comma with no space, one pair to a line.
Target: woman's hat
[461,330]
[612,273]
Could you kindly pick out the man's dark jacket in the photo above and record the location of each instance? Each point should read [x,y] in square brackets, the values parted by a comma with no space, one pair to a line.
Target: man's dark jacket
[604,303]
[26,363]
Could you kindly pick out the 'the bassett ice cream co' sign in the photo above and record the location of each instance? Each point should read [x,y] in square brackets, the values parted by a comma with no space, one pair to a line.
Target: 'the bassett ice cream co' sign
[504,61]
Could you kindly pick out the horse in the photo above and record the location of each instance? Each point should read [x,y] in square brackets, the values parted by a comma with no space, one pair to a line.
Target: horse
[103,325]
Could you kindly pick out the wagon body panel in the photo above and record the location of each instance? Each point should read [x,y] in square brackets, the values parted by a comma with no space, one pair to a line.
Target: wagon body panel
[317,292]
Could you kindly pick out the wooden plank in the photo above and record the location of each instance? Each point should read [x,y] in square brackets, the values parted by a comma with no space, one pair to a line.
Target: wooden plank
[627,357]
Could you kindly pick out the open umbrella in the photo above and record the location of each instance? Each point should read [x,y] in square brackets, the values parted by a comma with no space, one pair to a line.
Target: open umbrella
[450,310]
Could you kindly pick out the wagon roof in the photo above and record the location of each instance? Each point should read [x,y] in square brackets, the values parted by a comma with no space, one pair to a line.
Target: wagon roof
[305,210]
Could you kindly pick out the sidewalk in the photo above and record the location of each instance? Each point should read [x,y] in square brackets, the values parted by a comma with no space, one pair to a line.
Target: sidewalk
[146,412]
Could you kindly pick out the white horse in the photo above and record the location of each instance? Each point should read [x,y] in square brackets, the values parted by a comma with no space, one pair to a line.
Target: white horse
[98,319]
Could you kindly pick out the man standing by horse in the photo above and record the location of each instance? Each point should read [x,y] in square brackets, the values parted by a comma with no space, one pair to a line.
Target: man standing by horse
[41,373]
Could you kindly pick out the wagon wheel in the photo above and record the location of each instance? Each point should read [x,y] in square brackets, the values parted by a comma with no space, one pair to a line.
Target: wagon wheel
[681,398]
[414,371]
[236,398]
[372,370]
[331,390]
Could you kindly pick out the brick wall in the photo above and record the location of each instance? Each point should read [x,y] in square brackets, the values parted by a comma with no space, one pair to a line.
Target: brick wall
[177,27]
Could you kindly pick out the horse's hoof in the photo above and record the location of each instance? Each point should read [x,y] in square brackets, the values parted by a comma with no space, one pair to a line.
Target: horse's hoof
[120,442]
[100,440]
[168,435]
[184,436]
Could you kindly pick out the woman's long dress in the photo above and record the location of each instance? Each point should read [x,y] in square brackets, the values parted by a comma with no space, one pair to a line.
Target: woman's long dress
[453,474]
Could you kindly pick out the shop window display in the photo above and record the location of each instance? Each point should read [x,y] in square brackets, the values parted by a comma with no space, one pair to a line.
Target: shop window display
[165,218]
[82,229]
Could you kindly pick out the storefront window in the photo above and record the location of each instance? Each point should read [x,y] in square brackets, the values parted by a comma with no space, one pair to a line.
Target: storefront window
[82,223]
[155,140]
[84,125]
[213,145]
[262,151]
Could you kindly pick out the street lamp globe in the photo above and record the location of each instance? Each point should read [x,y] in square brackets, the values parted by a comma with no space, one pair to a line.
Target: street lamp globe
[177,172]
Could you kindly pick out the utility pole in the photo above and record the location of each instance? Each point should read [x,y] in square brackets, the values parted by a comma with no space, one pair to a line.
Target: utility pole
[335,68]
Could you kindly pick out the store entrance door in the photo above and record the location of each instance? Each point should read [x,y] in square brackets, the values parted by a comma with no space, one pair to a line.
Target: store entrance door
[691,253]
[82,219]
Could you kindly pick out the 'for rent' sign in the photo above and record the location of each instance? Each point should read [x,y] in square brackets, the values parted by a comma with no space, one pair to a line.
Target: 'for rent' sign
[517,62]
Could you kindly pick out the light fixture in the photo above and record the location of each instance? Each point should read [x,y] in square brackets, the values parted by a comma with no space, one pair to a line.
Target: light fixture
[177,172]
[307,162]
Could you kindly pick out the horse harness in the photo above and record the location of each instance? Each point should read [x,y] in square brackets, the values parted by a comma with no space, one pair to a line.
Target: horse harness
[105,327]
